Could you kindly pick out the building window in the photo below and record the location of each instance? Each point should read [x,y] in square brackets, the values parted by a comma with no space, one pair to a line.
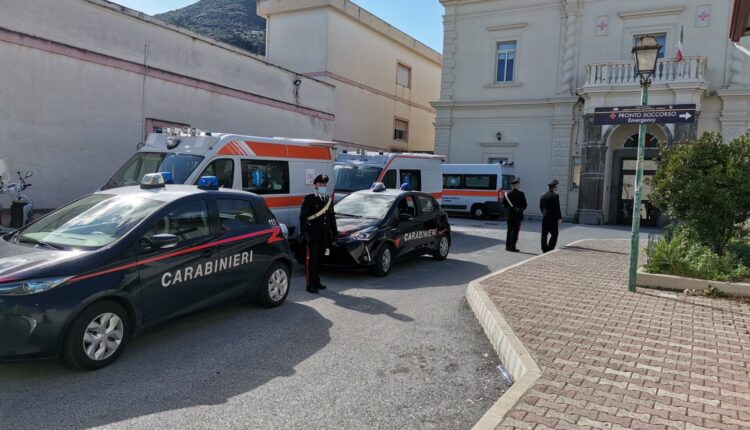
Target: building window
[575,180]
[651,141]
[506,60]
[660,37]
[401,130]
[403,75]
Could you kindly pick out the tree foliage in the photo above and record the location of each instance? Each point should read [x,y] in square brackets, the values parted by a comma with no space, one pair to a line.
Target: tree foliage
[705,184]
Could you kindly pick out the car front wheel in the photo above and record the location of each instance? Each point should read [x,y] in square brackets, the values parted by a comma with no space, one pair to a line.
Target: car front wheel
[383,261]
[97,336]
[275,286]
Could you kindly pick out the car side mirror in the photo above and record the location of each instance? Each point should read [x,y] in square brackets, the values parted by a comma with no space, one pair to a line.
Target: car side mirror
[405,217]
[161,241]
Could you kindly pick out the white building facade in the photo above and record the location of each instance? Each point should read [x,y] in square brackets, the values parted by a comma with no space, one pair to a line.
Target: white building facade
[521,80]
[83,81]
[385,79]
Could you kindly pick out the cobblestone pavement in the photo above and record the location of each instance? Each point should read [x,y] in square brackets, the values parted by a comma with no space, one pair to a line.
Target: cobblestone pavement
[613,359]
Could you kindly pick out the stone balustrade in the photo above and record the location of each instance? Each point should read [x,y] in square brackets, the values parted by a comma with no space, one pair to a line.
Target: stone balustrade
[668,70]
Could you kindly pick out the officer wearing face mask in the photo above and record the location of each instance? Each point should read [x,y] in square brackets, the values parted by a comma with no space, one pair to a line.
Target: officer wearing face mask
[318,230]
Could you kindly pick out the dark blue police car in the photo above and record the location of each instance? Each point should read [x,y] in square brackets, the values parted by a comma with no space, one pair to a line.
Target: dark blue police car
[83,279]
[379,226]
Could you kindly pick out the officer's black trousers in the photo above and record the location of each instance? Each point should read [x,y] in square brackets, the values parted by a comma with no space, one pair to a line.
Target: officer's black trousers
[316,248]
[514,228]
[549,228]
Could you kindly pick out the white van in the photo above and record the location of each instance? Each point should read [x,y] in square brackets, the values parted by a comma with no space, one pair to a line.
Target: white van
[281,170]
[356,171]
[476,189]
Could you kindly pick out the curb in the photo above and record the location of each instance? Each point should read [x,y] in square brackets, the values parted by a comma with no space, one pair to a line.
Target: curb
[680,283]
[508,346]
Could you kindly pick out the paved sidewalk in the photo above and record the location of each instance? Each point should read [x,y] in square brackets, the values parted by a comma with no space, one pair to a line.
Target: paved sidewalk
[613,359]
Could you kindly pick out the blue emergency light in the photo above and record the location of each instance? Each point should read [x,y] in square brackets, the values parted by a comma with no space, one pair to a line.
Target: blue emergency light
[208,183]
[378,187]
[406,186]
[168,178]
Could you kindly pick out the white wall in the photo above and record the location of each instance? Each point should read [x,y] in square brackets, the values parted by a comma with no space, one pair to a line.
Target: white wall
[73,95]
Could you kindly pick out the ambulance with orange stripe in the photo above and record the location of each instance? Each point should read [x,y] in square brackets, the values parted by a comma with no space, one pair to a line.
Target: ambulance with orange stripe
[355,171]
[476,189]
[281,170]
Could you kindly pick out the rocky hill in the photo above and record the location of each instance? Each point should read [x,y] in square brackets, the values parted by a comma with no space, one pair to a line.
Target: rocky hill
[231,21]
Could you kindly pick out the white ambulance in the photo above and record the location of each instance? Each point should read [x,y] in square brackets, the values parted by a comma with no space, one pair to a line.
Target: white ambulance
[281,170]
[356,171]
[476,189]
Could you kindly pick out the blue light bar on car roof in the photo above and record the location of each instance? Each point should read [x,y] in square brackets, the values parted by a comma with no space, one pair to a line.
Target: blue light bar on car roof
[208,183]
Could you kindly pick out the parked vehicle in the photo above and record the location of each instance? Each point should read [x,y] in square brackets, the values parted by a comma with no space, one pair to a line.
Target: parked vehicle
[83,279]
[356,171]
[379,226]
[281,170]
[476,189]
[21,208]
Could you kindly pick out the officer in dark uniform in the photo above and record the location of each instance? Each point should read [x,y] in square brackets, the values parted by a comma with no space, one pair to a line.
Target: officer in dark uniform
[318,230]
[515,204]
[549,204]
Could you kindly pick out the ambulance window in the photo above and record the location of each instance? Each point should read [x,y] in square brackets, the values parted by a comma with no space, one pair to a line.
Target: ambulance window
[236,214]
[413,177]
[389,179]
[506,181]
[452,181]
[265,176]
[426,205]
[480,182]
[188,222]
[223,169]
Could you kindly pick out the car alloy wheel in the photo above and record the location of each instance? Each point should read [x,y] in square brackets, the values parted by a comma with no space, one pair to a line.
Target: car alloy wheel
[444,246]
[103,336]
[275,285]
[278,284]
[383,261]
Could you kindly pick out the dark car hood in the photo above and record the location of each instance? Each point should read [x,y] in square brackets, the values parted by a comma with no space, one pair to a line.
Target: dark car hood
[346,225]
[23,262]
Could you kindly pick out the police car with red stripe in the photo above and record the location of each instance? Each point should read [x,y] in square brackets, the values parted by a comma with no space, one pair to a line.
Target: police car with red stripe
[81,281]
[380,226]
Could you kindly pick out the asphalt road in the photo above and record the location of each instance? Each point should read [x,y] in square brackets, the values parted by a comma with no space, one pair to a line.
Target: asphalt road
[401,352]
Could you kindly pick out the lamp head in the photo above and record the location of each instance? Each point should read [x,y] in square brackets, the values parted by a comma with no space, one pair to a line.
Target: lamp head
[646,54]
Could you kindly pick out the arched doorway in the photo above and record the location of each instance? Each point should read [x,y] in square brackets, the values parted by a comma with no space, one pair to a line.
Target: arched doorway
[622,143]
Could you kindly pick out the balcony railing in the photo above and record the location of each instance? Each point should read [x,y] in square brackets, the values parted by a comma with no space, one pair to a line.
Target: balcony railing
[668,70]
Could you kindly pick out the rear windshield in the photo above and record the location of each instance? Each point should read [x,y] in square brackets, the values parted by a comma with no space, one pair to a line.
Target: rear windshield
[131,173]
[355,178]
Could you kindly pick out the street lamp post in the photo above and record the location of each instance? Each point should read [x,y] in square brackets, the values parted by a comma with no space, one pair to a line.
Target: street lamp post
[646,54]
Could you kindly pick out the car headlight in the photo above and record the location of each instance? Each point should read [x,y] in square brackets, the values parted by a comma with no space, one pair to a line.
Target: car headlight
[32,286]
[365,234]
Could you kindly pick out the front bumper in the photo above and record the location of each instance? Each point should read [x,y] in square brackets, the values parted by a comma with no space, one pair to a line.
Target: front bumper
[352,253]
[29,330]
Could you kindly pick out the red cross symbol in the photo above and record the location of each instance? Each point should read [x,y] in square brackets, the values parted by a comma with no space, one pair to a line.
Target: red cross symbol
[602,25]
[703,15]
[613,115]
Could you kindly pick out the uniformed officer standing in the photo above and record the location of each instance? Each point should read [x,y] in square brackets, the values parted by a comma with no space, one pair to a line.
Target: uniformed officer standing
[515,204]
[549,204]
[318,230]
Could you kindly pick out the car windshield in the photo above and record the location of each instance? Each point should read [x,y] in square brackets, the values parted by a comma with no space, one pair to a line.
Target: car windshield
[131,173]
[354,178]
[373,206]
[90,223]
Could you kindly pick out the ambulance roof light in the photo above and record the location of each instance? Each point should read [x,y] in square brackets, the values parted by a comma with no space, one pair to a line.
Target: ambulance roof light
[168,178]
[208,183]
[152,180]
[378,187]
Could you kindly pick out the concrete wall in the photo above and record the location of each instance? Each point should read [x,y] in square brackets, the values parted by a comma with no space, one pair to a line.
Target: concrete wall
[346,46]
[80,78]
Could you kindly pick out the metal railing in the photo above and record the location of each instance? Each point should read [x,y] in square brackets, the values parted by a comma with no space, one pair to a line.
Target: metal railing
[668,70]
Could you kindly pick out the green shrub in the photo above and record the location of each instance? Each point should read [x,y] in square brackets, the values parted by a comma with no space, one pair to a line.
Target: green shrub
[679,253]
[704,184]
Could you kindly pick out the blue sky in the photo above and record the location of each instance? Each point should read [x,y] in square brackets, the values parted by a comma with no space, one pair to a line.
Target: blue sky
[421,19]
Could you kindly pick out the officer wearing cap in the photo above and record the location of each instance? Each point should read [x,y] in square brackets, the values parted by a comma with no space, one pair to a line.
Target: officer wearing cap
[515,204]
[549,204]
[318,230]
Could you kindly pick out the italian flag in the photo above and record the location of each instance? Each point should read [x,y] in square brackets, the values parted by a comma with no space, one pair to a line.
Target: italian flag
[679,44]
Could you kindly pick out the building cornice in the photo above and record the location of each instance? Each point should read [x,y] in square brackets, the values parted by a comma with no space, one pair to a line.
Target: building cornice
[652,12]
[503,103]
[508,27]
